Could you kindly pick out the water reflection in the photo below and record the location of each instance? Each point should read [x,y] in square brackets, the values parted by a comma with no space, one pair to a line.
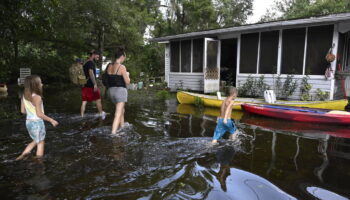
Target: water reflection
[323,194]
[3,94]
[165,153]
[224,157]
[311,147]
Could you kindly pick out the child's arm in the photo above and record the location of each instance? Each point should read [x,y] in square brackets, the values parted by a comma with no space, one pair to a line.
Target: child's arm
[23,110]
[227,111]
[37,103]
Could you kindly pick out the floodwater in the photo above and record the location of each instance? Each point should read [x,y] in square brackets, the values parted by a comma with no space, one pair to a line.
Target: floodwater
[165,153]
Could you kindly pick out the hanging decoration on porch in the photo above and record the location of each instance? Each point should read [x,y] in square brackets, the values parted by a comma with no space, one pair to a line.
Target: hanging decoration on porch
[329,74]
[330,57]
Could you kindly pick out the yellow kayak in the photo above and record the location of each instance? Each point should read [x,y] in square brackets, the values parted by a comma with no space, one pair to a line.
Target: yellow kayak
[215,112]
[212,101]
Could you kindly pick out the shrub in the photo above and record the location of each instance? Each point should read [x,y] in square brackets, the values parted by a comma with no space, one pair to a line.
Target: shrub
[278,86]
[163,94]
[198,102]
[321,95]
[289,86]
[261,86]
[253,87]
[305,88]
[245,89]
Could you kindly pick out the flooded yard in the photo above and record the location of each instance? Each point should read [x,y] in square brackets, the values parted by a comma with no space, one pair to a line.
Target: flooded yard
[165,153]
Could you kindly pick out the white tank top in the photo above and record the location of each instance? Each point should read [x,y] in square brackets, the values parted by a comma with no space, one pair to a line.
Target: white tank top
[30,109]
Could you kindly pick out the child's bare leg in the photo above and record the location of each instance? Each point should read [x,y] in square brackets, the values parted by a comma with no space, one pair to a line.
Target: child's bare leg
[27,150]
[117,117]
[82,108]
[40,149]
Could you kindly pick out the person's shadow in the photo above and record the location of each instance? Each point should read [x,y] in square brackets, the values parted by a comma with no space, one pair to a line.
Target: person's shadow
[224,156]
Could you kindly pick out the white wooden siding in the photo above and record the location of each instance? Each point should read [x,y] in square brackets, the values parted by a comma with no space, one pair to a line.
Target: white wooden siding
[316,82]
[190,81]
[167,63]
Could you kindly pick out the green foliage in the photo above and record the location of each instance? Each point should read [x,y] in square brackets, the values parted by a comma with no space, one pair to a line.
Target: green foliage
[188,15]
[278,86]
[253,87]
[198,102]
[305,88]
[246,89]
[289,86]
[233,12]
[231,77]
[148,59]
[261,86]
[305,8]
[47,36]
[321,95]
[163,94]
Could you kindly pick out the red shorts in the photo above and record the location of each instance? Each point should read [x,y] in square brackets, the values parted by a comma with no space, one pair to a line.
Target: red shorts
[88,94]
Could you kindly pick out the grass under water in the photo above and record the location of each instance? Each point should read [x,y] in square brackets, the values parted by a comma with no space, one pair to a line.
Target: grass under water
[165,153]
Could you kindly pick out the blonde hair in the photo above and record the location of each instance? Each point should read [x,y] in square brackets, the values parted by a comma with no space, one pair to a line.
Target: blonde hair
[32,84]
[232,91]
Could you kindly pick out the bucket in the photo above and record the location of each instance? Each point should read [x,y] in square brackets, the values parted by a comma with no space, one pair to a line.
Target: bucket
[140,85]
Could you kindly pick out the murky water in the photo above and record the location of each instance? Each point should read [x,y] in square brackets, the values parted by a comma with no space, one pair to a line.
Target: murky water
[165,153]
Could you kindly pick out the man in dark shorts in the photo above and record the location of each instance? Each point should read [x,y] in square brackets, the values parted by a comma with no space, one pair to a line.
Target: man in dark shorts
[90,91]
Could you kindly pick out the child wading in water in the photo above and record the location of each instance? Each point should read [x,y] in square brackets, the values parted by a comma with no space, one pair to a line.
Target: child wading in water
[225,123]
[32,105]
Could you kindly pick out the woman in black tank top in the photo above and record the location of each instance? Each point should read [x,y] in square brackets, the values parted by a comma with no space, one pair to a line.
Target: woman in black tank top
[118,78]
[115,80]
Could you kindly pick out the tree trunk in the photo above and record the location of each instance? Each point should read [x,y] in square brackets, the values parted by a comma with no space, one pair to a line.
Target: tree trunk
[101,45]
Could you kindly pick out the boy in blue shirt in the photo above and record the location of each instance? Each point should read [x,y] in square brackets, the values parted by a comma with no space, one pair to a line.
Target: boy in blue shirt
[224,122]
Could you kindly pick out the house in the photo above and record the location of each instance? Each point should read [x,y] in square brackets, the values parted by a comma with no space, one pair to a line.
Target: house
[199,61]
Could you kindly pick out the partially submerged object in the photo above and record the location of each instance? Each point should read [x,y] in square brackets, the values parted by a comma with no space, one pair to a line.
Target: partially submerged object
[300,114]
[213,101]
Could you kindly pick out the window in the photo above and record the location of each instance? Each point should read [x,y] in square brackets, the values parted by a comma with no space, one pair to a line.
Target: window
[174,56]
[293,51]
[212,59]
[268,52]
[186,56]
[249,52]
[198,55]
[319,41]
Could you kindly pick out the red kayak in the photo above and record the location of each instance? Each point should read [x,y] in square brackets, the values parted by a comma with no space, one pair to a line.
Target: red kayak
[300,114]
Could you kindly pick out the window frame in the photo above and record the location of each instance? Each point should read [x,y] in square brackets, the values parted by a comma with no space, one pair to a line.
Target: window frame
[239,55]
[279,56]
[191,59]
[278,49]
[171,53]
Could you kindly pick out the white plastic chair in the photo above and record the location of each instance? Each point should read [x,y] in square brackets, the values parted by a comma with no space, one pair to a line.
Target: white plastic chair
[269,96]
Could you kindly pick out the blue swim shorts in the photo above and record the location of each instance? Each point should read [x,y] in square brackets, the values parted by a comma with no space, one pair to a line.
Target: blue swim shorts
[36,129]
[222,128]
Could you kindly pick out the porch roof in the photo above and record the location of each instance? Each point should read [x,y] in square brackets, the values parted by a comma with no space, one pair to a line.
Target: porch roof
[328,19]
